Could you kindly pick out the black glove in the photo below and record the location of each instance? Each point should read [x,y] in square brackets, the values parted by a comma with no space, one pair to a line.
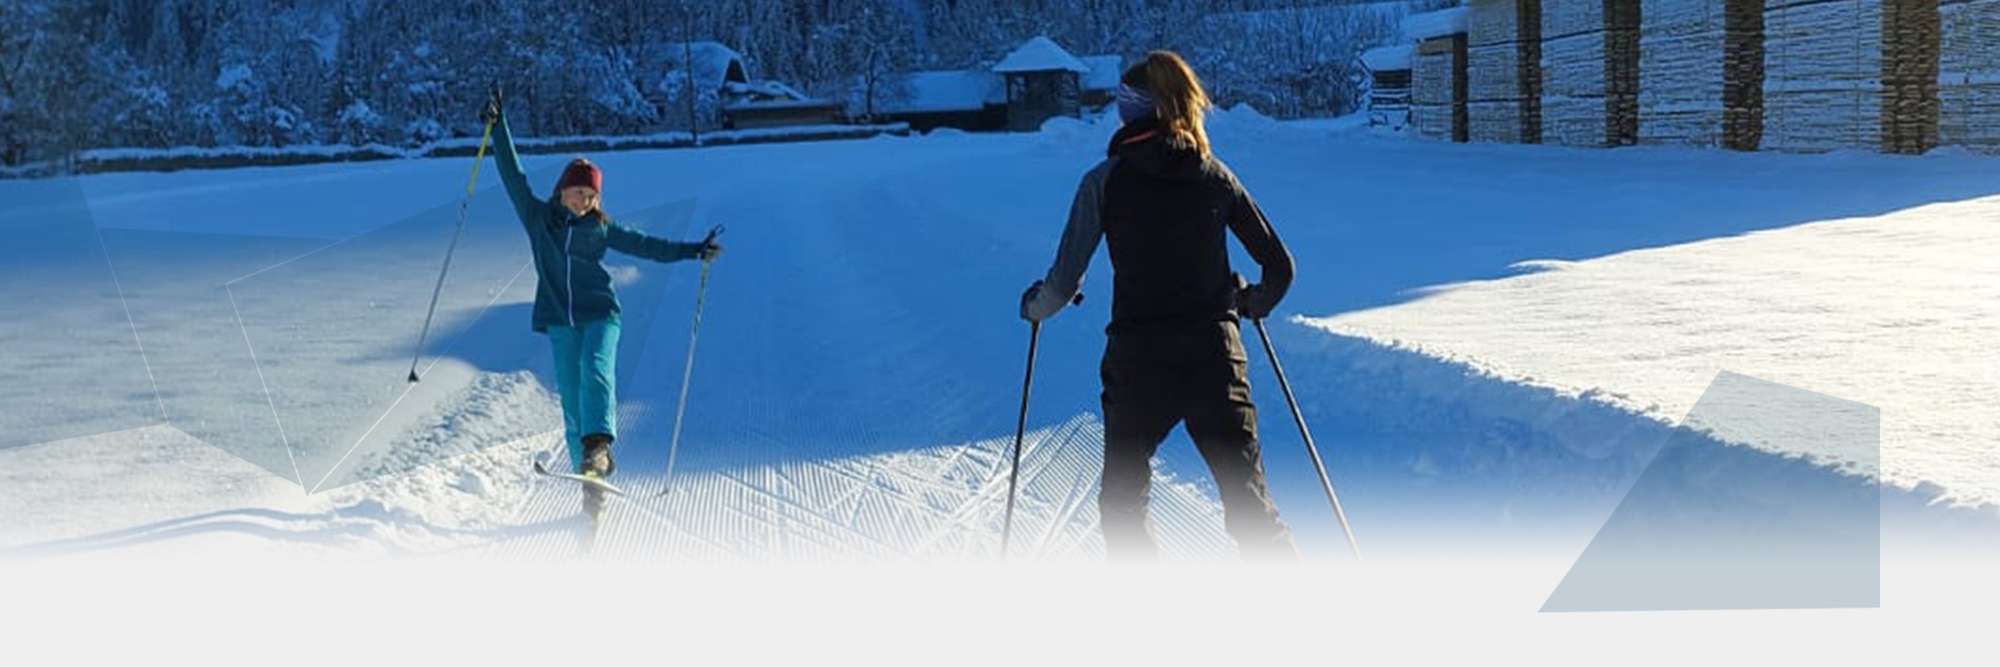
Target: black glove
[1028,297]
[708,249]
[490,113]
[1255,302]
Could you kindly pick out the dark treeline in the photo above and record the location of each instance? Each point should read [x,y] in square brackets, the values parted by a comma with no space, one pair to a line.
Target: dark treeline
[78,74]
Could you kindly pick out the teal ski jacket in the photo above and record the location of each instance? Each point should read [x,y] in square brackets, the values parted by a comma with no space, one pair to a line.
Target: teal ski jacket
[572,286]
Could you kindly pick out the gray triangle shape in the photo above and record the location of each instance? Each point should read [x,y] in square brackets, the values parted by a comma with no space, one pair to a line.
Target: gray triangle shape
[1714,524]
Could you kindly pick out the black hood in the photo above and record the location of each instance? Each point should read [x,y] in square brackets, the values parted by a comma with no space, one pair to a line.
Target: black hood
[1161,155]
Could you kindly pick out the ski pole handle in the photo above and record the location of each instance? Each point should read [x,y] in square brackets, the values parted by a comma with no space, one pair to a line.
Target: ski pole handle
[1242,284]
[708,242]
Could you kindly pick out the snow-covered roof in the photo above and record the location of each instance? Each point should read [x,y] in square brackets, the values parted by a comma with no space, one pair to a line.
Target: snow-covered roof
[769,95]
[806,103]
[1418,27]
[767,89]
[948,90]
[1392,57]
[1104,72]
[714,64]
[1040,55]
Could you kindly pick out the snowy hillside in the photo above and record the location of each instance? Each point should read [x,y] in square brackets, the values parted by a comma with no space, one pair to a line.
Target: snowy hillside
[1485,338]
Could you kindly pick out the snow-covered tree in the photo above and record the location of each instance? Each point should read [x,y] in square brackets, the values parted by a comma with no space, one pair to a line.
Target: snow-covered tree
[81,73]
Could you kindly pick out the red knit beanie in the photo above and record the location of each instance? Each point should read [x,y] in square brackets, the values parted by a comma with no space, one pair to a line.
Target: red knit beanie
[581,172]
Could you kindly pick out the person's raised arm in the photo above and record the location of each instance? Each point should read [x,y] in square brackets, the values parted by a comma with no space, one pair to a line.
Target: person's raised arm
[508,160]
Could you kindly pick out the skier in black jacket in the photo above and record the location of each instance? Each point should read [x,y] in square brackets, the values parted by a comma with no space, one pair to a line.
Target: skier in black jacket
[1173,351]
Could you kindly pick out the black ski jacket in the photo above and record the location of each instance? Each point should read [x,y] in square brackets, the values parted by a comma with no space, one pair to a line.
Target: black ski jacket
[1162,207]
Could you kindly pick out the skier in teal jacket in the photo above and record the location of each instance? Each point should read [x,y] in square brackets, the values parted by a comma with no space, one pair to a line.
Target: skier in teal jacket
[575,304]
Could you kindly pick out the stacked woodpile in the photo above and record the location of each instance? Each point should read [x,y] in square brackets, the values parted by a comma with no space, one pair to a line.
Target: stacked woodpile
[1821,63]
[1742,74]
[1530,70]
[1590,68]
[1899,76]
[1702,72]
[1504,62]
[1910,41]
[1573,66]
[1854,74]
[1438,88]
[1621,70]
[1969,74]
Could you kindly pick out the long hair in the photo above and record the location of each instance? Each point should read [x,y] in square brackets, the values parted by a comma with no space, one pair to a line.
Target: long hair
[1178,98]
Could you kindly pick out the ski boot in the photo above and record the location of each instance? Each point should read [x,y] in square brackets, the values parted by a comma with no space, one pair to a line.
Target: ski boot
[596,464]
[597,456]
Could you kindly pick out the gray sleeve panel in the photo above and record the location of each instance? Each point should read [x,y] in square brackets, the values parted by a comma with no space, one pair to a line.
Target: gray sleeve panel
[1079,242]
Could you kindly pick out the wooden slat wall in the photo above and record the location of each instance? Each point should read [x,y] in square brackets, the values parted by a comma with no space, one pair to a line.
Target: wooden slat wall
[1822,75]
[1681,49]
[1702,73]
[1852,74]
[1969,74]
[1504,70]
[1438,89]
[1573,70]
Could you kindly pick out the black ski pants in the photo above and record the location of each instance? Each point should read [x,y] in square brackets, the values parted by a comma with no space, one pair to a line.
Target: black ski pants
[1197,374]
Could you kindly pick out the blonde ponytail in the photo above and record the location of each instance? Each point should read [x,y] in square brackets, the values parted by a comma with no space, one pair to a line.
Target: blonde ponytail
[1178,98]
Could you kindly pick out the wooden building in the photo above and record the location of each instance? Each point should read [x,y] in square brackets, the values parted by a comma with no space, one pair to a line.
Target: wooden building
[1389,84]
[1900,76]
[1042,81]
[1100,83]
[1039,81]
[1438,74]
[709,66]
[971,100]
[726,95]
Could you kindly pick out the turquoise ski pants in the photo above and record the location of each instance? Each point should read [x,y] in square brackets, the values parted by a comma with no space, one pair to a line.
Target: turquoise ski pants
[586,362]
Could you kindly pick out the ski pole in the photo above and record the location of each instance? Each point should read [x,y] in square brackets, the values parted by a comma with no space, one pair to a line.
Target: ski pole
[1325,482]
[477,159]
[1020,430]
[687,369]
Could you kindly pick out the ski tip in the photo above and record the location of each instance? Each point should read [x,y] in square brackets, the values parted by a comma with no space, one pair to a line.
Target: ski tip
[600,484]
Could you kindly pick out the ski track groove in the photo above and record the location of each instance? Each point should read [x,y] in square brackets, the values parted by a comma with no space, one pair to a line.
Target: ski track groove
[862,508]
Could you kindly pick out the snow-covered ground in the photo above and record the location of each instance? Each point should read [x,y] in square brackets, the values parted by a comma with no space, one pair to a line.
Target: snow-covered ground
[1489,342]
[1900,311]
